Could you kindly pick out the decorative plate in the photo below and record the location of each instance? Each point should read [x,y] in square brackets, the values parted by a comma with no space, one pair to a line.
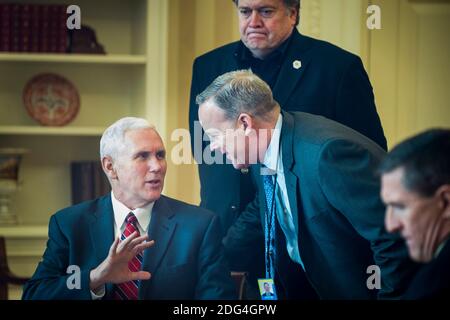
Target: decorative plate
[51,99]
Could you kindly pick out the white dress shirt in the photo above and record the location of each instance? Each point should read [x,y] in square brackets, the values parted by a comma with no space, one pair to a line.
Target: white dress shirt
[143,216]
[273,160]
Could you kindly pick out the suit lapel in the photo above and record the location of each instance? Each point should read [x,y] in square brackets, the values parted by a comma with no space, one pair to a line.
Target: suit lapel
[287,134]
[256,171]
[161,229]
[102,232]
[289,75]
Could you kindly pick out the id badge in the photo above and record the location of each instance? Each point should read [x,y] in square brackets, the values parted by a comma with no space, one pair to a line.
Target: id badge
[267,289]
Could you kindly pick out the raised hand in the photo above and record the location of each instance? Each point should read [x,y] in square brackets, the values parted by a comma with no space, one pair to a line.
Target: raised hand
[114,269]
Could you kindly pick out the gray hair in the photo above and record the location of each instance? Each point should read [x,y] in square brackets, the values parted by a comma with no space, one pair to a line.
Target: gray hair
[113,139]
[289,4]
[240,91]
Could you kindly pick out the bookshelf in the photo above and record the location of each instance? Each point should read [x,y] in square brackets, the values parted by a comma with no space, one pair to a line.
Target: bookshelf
[52,131]
[117,59]
[129,80]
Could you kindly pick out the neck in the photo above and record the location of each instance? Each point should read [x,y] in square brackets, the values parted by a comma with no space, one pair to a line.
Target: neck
[129,203]
[265,133]
[445,235]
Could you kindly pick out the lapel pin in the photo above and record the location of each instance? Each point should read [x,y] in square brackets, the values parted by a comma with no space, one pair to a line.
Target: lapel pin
[297,64]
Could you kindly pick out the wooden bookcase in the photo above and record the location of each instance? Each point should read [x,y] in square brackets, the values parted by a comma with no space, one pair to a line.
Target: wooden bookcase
[129,80]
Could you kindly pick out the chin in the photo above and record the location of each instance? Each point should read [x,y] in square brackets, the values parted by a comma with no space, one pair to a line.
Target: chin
[419,256]
[153,196]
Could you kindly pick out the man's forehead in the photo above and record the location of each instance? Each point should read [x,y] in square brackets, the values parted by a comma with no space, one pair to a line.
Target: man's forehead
[259,3]
[392,187]
[144,137]
[210,113]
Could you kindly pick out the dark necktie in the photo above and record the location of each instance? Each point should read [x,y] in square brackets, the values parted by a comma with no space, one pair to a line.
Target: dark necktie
[129,290]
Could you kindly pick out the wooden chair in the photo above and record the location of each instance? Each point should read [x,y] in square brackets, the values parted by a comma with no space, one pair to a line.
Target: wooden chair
[240,279]
[6,276]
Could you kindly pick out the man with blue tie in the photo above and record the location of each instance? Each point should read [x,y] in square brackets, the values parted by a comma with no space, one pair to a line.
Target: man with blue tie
[108,239]
[318,195]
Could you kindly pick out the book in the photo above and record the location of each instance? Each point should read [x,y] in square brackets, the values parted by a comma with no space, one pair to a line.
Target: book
[88,181]
[33,28]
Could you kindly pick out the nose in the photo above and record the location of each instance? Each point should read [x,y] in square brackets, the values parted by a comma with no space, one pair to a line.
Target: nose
[391,222]
[154,164]
[255,19]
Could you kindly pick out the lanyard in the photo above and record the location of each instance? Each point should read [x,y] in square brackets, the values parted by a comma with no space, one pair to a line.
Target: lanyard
[270,216]
[270,241]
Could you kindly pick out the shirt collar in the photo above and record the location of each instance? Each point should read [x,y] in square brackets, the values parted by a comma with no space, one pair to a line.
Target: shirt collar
[439,248]
[271,160]
[121,211]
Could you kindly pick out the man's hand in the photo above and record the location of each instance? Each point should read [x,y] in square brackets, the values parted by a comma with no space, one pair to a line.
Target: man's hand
[114,269]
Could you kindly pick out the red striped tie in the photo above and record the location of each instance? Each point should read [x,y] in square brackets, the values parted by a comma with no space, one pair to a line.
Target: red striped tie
[129,290]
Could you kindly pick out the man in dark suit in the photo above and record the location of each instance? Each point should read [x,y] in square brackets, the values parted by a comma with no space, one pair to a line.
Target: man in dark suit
[416,191]
[105,241]
[320,210]
[305,74]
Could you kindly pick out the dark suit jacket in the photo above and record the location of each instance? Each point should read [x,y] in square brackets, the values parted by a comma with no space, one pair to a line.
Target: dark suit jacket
[331,82]
[334,197]
[186,261]
[432,281]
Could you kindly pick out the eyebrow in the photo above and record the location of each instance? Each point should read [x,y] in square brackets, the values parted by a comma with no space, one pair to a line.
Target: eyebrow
[138,153]
[267,6]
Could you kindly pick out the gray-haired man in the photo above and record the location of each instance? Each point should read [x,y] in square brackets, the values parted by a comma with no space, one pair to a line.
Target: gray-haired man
[328,217]
[107,239]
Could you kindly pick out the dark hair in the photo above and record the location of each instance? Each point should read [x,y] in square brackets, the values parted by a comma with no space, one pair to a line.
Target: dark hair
[425,159]
[289,4]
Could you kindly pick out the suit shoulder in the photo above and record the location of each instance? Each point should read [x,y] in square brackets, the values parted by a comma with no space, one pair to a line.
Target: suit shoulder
[320,132]
[330,49]
[217,54]
[328,56]
[189,209]
[75,212]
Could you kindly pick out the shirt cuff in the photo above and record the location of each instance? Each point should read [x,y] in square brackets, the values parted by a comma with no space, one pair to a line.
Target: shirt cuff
[98,294]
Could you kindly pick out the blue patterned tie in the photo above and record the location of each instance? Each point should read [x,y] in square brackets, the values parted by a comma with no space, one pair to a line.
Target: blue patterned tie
[269,223]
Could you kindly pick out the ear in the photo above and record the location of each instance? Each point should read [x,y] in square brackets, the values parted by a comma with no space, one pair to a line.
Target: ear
[293,14]
[443,194]
[108,168]
[245,121]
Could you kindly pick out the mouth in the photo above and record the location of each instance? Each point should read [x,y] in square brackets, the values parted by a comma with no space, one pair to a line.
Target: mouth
[256,35]
[154,183]
[408,240]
